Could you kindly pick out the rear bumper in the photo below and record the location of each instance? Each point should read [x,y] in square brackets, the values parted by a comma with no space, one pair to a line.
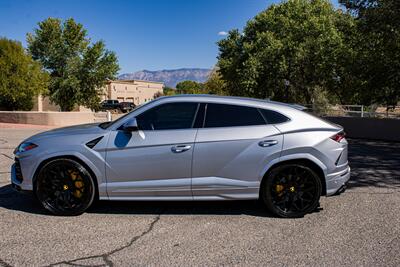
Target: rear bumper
[337,181]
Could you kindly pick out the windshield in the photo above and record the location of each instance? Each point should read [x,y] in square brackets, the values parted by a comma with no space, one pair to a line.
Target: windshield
[108,124]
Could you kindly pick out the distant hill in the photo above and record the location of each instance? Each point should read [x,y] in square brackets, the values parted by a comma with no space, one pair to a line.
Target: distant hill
[169,77]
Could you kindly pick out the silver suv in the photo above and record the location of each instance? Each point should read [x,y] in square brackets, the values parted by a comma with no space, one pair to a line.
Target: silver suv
[196,147]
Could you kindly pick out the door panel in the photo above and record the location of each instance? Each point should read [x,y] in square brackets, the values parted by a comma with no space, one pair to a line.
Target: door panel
[143,164]
[227,161]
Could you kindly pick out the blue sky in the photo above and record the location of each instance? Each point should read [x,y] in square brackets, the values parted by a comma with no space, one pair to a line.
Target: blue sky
[145,34]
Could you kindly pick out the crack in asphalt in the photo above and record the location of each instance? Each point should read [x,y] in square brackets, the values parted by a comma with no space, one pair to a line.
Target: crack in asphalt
[106,256]
[7,156]
[4,264]
[374,193]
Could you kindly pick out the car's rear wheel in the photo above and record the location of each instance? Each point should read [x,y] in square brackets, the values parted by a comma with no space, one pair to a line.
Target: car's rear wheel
[65,187]
[291,190]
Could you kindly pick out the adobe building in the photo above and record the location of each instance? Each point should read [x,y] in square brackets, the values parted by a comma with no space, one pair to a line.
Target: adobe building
[136,91]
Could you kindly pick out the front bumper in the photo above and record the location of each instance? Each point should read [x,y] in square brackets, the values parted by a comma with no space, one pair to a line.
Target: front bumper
[336,182]
[17,184]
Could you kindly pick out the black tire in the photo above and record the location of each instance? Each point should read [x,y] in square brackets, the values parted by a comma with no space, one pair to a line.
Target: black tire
[291,190]
[65,187]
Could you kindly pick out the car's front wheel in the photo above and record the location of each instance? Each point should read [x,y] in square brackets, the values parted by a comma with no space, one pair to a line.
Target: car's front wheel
[291,190]
[65,187]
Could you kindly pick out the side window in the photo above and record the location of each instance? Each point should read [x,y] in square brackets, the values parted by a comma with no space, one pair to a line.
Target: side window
[221,115]
[168,116]
[200,116]
[273,117]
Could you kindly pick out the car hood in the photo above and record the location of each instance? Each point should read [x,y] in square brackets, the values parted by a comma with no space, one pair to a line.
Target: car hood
[92,128]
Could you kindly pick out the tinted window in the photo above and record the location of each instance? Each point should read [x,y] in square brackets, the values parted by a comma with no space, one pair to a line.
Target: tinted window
[273,117]
[220,115]
[200,116]
[168,116]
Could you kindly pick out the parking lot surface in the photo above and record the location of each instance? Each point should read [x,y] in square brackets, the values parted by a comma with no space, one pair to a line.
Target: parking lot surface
[359,227]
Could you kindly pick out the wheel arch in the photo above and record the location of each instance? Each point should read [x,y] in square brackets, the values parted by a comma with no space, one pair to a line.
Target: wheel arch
[304,161]
[71,157]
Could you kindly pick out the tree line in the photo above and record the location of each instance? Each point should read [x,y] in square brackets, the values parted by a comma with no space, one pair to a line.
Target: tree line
[60,62]
[297,51]
[306,51]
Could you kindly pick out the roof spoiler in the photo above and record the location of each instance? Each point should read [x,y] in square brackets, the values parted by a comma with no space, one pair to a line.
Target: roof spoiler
[297,106]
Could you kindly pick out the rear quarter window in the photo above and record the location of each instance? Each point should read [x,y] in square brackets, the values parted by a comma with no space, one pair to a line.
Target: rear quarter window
[273,117]
[225,115]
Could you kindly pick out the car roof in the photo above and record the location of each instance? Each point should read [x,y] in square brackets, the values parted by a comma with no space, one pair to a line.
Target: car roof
[233,100]
[293,111]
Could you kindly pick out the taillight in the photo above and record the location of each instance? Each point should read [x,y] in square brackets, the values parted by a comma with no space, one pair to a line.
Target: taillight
[338,137]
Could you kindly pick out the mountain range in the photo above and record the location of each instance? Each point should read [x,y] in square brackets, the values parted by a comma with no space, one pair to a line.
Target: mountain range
[169,77]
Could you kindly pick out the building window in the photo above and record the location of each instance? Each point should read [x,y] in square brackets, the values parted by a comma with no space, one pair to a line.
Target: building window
[126,87]
[114,87]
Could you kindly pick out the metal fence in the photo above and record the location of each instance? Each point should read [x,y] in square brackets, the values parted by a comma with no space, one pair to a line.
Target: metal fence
[355,111]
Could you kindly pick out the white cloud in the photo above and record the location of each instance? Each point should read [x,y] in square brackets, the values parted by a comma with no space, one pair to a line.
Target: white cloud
[222,33]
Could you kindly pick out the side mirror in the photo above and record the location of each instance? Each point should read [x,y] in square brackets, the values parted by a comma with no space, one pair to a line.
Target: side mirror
[130,126]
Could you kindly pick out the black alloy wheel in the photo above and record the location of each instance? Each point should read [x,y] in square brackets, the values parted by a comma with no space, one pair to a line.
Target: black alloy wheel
[292,190]
[65,187]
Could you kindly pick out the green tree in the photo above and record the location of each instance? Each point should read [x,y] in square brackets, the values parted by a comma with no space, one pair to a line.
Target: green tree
[21,78]
[215,85]
[77,68]
[167,91]
[290,52]
[378,24]
[345,86]
[190,87]
[158,94]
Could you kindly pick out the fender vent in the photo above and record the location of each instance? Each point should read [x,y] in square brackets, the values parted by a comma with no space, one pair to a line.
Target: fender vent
[18,172]
[91,144]
[337,161]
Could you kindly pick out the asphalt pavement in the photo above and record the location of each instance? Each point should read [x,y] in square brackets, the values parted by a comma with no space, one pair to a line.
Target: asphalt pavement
[360,227]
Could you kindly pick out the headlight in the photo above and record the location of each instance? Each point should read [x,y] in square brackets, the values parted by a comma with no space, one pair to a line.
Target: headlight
[25,147]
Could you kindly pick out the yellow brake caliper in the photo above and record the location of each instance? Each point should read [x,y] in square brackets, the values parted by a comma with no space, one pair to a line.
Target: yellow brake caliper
[79,185]
[279,188]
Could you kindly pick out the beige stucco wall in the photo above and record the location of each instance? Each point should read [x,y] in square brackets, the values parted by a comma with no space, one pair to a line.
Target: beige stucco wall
[41,103]
[52,118]
[135,91]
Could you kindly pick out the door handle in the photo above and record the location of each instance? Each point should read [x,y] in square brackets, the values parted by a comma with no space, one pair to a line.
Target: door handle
[267,143]
[180,148]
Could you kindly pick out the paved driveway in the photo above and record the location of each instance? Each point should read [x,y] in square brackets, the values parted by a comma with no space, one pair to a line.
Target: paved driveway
[359,227]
